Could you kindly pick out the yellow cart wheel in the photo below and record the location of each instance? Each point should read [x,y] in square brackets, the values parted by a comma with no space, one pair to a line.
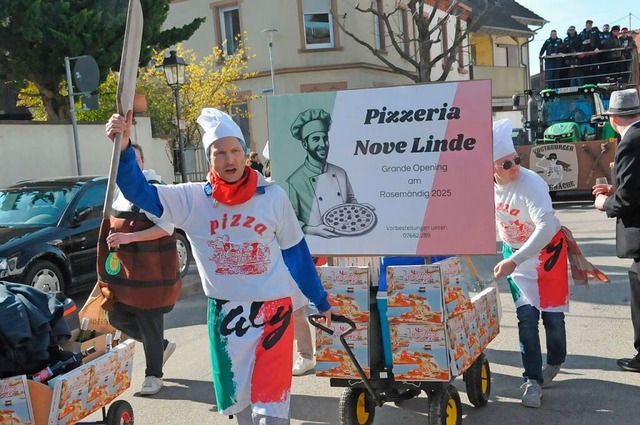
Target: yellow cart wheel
[445,407]
[478,381]
[357,407]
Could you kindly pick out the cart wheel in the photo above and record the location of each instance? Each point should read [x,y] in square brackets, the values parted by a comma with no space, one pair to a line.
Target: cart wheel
[445,407]
[120,413]
[357,407]
[478,381]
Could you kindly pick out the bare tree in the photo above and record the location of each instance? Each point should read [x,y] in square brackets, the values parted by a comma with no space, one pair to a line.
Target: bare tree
[428,31]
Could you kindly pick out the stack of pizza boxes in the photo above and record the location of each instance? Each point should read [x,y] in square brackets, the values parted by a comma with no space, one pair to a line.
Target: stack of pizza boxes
[472,322]
[416,321]
[91,386]
[462,321]
[348,294]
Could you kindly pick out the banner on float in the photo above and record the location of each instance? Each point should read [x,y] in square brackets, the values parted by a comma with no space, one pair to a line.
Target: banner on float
[557,164]
[388,171]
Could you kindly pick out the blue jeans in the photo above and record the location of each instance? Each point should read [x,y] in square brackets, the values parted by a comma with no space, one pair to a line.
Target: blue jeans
[528,317]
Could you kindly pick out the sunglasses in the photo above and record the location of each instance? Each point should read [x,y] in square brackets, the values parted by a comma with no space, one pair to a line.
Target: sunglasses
[507,164]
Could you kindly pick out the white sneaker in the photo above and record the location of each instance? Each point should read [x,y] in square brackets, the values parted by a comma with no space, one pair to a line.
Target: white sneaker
[532,394]
[302,366]
[548,373]
[168,351]
[151,385]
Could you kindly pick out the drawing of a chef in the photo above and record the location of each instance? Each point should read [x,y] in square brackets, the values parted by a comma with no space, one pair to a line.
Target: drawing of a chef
[317,185]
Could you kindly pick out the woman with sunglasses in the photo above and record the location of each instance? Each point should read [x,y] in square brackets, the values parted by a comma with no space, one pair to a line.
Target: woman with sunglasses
[535,262]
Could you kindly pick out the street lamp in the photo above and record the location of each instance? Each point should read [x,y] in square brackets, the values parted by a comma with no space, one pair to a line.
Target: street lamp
[174,69]
[270,31]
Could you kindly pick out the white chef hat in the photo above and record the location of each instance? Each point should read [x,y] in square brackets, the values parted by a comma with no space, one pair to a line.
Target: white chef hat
[216,125]
[502,141]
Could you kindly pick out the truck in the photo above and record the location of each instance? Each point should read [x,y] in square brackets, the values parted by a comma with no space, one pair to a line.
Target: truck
[567,137]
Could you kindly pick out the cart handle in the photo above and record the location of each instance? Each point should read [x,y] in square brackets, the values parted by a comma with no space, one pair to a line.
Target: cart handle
[313,319]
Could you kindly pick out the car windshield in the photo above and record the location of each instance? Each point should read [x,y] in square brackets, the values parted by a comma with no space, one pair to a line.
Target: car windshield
[34,206]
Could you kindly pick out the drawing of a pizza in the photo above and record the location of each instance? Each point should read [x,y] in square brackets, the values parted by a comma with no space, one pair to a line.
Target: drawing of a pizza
[350,219]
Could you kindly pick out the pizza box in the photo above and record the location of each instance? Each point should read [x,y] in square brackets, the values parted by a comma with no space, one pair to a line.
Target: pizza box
[456,291]
[332,360]
[15,403]
[420,352]
[414,294]
[459,353]
[347,290]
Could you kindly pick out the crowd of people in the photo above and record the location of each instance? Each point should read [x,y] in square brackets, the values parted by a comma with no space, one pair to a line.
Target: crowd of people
[591,56]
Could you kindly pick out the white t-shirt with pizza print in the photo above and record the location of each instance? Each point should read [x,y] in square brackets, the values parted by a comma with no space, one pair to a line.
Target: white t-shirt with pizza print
[237,246]
[524,215]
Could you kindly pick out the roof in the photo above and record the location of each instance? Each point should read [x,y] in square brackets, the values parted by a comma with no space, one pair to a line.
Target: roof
[56,181]
[505,17]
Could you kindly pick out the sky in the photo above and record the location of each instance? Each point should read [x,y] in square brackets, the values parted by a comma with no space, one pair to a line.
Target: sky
[563,13]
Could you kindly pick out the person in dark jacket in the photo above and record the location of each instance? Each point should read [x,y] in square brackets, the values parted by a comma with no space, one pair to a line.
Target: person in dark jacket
[254,162]
[590,42]
[622,200]
[628,43]
[552,47]
[572,44]
[613,58]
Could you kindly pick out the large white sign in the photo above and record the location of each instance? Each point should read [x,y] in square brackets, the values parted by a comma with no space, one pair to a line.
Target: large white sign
[388,171]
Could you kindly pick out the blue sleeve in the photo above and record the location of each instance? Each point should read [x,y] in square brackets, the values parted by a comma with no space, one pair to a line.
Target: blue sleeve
[135,187]
[300,264]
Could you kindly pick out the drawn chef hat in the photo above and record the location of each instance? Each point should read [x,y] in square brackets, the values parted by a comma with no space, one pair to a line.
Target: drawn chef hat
[216,125]
[502,142]
[310,121]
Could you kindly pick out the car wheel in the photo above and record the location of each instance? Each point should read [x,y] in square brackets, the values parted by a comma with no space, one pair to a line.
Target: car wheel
[45,276]
[183,254]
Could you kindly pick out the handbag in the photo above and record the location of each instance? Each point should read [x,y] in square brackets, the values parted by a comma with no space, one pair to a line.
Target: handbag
[93,310]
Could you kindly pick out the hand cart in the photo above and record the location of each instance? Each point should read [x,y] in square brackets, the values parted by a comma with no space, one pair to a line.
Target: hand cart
[361,396]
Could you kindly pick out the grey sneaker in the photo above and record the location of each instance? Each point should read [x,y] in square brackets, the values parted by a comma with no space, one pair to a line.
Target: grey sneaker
[548,373]
[168,351]
[532,394]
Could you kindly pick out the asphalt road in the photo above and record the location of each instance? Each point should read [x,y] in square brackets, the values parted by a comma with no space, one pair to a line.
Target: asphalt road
[590,389]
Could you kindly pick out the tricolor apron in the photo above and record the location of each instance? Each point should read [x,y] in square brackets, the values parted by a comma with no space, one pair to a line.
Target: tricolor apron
[542,281]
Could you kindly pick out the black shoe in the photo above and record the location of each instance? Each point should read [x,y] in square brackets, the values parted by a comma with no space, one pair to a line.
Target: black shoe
[632,364]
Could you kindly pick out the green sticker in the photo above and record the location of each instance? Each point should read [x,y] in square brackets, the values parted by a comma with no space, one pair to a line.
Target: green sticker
[112,265]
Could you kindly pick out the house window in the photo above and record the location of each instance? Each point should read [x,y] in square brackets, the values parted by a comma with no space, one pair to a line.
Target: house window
[239,113]
[318,24]
[405,30]
[230,28]
[507,55]
[378,25]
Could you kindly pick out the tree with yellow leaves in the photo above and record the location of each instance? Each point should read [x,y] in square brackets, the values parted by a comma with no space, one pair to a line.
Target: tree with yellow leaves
[211,82]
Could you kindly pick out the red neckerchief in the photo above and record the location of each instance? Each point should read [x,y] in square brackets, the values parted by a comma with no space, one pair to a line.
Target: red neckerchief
[234,193]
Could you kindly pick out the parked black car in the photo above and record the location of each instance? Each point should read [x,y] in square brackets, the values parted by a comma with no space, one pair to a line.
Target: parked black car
[49,233]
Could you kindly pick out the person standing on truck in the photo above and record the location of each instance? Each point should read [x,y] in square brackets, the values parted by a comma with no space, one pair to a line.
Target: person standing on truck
[551,47]
[572,45]
[613,57]
[622,201]
[628,43]
[590,42]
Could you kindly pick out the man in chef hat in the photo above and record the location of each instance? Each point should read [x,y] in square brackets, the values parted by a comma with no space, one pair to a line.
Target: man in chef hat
[317,185]
[248,247]
[531,236]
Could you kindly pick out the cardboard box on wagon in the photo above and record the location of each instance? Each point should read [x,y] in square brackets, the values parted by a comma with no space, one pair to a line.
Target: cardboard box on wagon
[456,292]
[15,404]
[332,360]
[99,342]
[348,290]
[414,294]
[459,353]
[420,352]
[479,303]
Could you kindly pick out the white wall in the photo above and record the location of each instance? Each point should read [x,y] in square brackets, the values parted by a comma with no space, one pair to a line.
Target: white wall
[40,150]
